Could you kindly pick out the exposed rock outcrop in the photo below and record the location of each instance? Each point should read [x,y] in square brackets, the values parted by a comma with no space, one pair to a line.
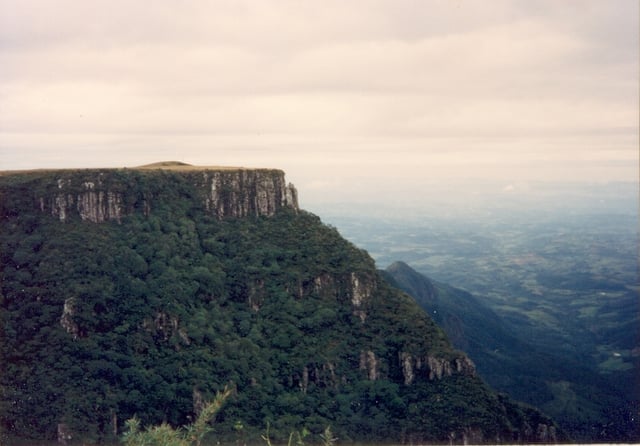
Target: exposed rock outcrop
[165,326]
[360,293]
[66,319]
[359,287]
[369,364]
[243,193]
[100,195]
[91,202]
[433,367]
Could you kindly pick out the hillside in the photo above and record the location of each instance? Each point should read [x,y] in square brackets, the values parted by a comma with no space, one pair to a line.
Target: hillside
[590,408]
[144,291]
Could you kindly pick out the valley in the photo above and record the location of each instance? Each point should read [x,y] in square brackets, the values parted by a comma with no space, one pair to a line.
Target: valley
[563,280]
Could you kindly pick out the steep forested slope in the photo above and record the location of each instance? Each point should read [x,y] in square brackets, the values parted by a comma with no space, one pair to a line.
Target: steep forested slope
[129,293]
[590,408]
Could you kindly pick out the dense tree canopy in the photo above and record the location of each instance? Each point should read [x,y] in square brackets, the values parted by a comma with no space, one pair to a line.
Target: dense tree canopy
[147,316]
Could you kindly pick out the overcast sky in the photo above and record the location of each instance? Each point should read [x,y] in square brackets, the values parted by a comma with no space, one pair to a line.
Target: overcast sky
[353,95]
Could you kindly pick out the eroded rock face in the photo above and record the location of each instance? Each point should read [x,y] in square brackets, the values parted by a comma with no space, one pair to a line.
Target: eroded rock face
[434,368]
[66,319]
[90,200]
[357,286]
[244,193]
[543,434]
[99,206]
[103,195]
[369,364]
[361,290]
[166,326]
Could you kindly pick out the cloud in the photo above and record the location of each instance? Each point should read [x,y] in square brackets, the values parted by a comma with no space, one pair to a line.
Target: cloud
[389,88]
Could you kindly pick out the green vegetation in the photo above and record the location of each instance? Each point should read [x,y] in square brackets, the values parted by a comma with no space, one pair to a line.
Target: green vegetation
[147,317]
[165,435]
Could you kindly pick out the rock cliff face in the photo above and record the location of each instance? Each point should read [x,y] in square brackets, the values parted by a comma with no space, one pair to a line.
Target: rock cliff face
[242,193]
[434,367]
[91,203]
[99,195]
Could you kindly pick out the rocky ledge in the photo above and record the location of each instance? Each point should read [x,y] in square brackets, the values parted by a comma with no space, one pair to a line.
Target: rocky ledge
[99,195]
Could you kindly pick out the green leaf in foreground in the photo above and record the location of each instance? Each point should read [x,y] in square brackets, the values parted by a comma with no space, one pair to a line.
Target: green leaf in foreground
[165,435]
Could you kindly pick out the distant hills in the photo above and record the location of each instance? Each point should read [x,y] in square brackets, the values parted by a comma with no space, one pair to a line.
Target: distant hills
[141,292]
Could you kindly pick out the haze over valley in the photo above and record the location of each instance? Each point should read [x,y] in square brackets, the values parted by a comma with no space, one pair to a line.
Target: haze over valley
[557,263]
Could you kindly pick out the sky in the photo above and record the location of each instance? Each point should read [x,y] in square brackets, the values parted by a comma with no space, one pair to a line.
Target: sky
[353,99]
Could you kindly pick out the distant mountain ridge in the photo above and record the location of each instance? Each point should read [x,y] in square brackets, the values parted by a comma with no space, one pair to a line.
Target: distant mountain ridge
[194,279]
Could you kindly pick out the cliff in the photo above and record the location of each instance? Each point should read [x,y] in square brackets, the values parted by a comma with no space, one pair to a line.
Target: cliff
[181,290]
[99,195]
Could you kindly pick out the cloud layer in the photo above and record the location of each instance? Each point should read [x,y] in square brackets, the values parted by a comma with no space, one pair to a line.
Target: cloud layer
[398,90]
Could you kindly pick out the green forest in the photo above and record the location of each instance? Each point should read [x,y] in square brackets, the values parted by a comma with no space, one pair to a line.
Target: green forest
[151,316]
[589,406]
